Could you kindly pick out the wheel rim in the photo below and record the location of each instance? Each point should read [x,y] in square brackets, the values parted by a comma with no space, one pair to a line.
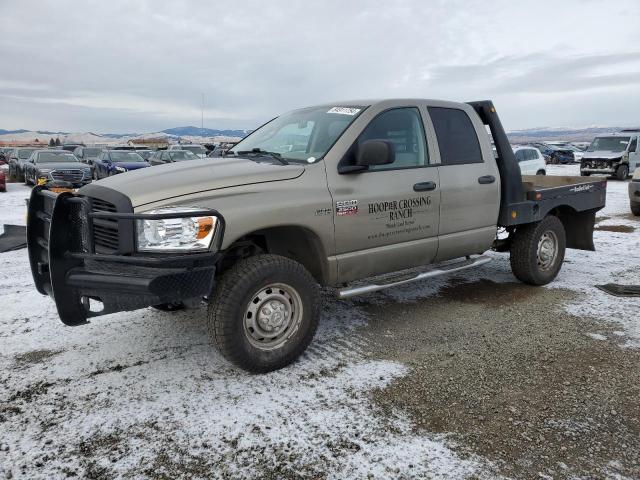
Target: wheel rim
[273,315]
[547,250]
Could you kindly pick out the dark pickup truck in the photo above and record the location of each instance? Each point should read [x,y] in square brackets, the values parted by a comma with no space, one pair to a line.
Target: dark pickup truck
[359,196]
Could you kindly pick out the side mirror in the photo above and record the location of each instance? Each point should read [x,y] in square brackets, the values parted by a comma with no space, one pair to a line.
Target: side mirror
[371,152]
[375,152]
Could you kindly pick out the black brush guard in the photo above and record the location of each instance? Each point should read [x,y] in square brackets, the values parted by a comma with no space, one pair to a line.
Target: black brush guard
[65,266]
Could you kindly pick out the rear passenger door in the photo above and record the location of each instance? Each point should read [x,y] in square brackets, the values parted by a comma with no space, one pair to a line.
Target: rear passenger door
[469,184]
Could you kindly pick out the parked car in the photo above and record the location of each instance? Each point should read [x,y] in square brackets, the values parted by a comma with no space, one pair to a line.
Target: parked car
[49,165]
[70,147]
[560,154]
[3,181]
[17,159]
[170,156]
[578,153]
[87,155]
[331,195]
[616,155]
[145,153]
[634,193]
[198,150]
[4,154]
[530,160]
[112,162]
[221,149]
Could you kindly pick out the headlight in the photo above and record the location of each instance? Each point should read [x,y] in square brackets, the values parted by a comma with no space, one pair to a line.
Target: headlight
[45,170]
[120,169]
[176,234]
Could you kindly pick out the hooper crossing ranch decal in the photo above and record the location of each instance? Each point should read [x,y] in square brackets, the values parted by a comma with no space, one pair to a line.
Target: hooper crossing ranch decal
[398,209]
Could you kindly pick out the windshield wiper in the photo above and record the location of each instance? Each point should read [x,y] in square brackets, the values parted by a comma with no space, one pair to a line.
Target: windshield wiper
[264,153]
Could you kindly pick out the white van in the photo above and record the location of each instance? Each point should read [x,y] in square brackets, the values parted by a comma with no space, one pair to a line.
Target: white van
[615,154]
[531,161]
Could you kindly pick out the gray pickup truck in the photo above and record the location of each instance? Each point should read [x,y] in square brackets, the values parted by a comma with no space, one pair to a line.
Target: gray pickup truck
[358,196]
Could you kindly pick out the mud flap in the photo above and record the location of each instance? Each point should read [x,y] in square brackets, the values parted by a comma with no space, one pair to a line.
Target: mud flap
[579,229]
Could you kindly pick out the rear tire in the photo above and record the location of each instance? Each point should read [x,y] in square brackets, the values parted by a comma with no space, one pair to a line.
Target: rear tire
[622,172]
[541,172]
[264,312]
[635,209]
[537,251]
[585,174]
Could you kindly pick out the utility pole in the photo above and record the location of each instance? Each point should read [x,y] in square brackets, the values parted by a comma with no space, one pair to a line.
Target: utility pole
[202,118]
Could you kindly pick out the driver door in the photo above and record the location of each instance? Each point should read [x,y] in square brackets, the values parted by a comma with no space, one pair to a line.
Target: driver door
[386,218]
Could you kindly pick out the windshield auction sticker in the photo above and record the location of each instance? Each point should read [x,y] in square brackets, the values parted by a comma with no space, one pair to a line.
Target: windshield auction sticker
[344,110]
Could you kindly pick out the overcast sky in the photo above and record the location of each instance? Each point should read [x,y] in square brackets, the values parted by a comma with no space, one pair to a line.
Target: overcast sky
[142,66]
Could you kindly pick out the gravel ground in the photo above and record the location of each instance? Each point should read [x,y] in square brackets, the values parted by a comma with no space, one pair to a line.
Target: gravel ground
[475,376]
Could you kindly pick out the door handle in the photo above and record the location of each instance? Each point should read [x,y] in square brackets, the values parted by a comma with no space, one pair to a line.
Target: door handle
[424,187]
[486,179]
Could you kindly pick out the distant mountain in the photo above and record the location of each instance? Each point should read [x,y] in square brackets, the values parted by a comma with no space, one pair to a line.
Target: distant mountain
[6,132]
[569,134]
[119,135]
[204,132]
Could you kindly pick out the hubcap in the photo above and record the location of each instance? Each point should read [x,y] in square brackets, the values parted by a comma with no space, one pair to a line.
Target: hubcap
[547,250]
[273,315]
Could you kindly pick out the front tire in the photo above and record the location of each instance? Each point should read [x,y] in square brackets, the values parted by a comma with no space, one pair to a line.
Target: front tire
[635,209]
[541,172]
[537,251]
[264,312]
[585,174]
[622,172]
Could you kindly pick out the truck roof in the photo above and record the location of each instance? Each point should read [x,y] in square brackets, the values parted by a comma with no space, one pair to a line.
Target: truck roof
[389,102]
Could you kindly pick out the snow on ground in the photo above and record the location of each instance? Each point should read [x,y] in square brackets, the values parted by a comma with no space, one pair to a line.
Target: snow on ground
[144,394]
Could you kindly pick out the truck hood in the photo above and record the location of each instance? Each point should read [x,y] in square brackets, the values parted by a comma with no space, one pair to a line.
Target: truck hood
[603,154]
[171,180]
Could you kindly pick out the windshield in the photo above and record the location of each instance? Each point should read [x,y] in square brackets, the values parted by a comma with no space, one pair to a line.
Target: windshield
[609,144]
[55,157]
[23,154]
[197,149]
[145,153]
[179,155]
[91,152]
[124,156]
[301,135]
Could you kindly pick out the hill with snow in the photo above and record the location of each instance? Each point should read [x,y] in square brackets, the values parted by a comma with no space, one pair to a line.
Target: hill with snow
[171,135]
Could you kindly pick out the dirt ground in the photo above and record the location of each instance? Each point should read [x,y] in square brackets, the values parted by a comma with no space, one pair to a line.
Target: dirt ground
[514,378]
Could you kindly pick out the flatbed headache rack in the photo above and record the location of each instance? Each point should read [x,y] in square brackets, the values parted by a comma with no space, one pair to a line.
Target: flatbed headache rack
[529,199]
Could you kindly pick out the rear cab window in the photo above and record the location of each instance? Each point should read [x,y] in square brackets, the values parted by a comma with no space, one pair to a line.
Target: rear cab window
[456,135]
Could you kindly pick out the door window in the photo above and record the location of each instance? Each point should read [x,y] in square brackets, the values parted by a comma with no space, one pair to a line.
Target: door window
[520,156]
[633,145]
[456,136]
[402,127]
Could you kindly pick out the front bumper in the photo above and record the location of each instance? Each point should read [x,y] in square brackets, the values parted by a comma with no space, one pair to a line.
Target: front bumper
[603,170]
[66,266]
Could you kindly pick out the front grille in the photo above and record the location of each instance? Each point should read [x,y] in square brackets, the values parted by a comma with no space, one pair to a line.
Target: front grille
[106,235]
[73,176]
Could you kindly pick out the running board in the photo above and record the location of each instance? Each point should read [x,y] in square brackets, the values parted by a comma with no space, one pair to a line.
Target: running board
[434,271]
